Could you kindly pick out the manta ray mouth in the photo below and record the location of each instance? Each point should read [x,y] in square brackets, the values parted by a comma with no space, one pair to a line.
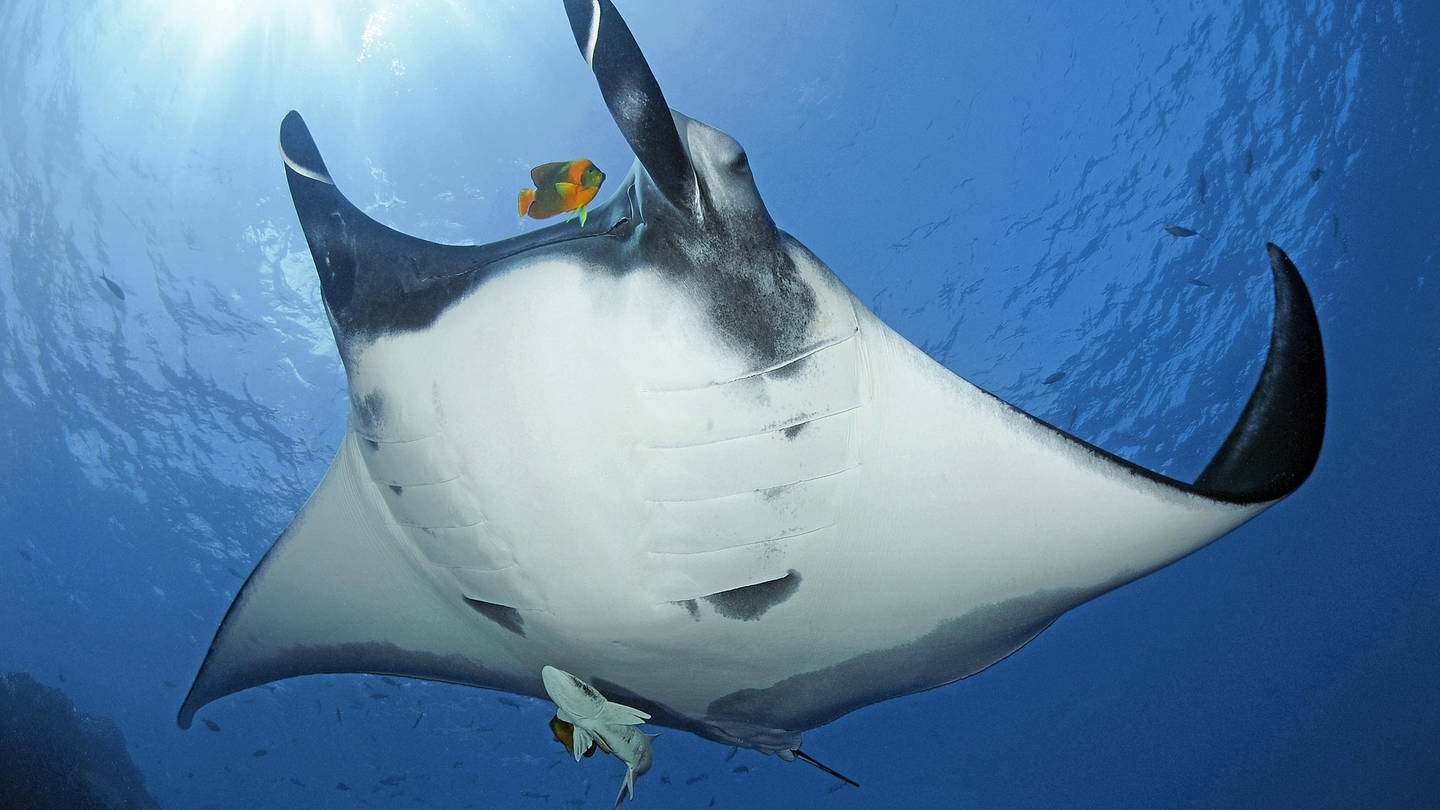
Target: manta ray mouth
[376,279]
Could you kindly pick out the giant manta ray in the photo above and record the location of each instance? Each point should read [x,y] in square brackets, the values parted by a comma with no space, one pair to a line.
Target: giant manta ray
[671,453]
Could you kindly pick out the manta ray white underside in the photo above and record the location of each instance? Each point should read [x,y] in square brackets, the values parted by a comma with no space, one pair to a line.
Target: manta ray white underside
[672,453]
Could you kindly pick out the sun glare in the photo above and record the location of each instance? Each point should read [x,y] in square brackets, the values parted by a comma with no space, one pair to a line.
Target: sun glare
[224,36]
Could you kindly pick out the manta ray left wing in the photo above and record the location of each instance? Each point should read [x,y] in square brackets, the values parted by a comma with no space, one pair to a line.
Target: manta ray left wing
[338,593]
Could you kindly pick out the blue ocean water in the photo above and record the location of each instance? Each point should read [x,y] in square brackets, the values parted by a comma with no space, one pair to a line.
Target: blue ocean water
[993,181]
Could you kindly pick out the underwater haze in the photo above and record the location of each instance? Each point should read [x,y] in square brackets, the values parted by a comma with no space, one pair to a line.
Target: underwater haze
[1066,204]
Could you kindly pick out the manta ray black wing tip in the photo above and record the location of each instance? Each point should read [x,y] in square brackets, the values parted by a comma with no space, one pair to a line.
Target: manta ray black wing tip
[298,148]
[1273,448]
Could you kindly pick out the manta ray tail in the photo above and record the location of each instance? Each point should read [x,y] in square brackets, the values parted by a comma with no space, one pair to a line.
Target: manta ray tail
[822,766]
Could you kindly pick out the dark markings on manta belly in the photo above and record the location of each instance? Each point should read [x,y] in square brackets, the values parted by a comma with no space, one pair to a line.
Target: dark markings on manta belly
[766,309]
[370,410]
[692,606]
[397,489]
[374,445]
[956,648]
[752,601]
[503,615]
[771,493]
[794,430]
[755,295]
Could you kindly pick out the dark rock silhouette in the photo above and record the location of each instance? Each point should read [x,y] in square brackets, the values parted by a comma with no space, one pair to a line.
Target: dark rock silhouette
[54,756]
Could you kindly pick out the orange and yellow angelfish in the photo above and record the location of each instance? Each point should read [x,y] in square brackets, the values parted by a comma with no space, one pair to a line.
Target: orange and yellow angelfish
[565,186]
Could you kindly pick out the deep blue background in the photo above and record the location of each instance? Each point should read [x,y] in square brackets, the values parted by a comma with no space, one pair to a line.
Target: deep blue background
[993,181]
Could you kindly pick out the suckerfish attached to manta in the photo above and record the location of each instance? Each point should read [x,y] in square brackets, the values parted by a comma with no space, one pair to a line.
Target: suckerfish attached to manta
[584,719]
